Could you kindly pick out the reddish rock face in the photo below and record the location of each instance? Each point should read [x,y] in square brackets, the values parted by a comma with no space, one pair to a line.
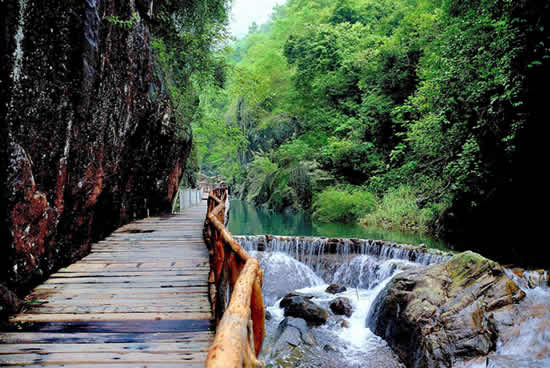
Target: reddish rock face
[88,138]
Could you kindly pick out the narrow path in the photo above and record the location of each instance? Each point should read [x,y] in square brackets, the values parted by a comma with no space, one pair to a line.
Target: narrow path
[138,300]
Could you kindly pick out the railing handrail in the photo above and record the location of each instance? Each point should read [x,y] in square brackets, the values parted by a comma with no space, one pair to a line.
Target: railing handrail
[195,197]
[241,322]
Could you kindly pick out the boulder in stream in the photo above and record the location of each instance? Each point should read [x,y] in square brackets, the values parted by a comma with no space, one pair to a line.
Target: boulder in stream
[444,314]
[335,289]
[341,306]
[300,306]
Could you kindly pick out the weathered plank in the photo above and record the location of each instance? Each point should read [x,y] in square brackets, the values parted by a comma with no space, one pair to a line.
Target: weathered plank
[102,358]
[102,337]
[140,298]
[41,348]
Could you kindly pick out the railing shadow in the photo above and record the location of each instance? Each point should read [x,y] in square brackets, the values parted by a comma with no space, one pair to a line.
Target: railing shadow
[235,288]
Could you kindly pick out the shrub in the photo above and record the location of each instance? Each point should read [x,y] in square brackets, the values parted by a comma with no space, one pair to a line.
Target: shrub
[399,210]
[339,205]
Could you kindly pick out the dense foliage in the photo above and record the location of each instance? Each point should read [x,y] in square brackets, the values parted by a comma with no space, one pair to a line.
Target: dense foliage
[186,35]
[426,105]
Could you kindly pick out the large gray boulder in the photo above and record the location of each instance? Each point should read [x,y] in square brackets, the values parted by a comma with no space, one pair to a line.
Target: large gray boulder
[300,306]
[437,316]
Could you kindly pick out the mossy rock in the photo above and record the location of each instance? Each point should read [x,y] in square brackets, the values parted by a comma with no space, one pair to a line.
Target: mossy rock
[437,316]
[465,267]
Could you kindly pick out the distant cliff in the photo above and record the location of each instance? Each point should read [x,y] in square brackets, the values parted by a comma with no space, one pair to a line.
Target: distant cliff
[88,140]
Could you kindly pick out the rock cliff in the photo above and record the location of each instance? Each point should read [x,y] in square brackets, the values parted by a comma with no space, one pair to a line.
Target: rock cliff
[88,137]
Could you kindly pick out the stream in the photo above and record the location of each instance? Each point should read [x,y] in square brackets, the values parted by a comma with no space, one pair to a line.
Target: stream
[308,265]
[302,267]
[246,219]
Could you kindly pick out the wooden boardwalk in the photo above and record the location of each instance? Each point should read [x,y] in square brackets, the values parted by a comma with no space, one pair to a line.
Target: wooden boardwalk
[140,299]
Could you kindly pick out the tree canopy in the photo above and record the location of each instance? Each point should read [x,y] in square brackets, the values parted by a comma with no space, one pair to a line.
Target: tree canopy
[433,98]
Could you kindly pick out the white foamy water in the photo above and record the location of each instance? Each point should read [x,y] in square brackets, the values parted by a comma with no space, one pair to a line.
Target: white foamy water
[300,265]
[283,274]
[364,276]
[306,266]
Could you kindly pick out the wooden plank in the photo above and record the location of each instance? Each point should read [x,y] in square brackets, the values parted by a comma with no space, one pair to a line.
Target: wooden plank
[63,302]
[188,346]
[102,338]
[119,326]
[90,358]
[143,265]
[123,285]
[109,316]
[138,279]
[116,308]
[182,262]
[102,299]
[113,365]
[119,291]
[140,298]
[111,273]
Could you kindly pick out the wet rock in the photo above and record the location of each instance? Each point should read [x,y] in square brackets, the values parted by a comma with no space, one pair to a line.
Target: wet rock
[437,316]
[89,138]
[295,343]
[341,306]
[300,306]
[294,331]
[335,289]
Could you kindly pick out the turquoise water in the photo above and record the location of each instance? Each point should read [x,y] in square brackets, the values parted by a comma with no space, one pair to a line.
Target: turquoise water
[246,219]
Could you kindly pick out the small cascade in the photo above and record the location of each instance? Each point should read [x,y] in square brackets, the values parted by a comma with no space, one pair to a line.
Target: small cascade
[19,35]
[305,251]
[250,243]
[308,264]
[363,275]
[313,251]
[283,274]
[528,280]
[366,272]
[423,256]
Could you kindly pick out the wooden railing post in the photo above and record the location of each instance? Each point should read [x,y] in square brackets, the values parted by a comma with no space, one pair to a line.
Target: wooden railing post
[240,323]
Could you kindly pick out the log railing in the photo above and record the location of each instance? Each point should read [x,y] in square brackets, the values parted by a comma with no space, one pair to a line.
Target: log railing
[235,287]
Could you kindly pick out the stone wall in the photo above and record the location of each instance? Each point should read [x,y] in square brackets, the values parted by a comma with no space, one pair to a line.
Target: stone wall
[88,138]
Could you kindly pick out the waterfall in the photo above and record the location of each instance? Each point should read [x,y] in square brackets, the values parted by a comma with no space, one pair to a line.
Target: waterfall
[313,251]
[19,35]
[284,274]
[314,261]
[308,264]
[366,272]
